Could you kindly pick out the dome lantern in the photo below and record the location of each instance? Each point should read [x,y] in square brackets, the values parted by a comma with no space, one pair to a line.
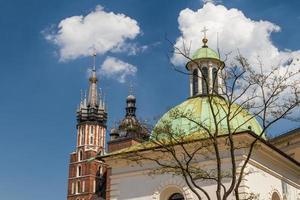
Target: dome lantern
[205,70]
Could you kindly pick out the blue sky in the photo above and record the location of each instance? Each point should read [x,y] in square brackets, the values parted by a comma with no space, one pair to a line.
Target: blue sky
[40,93]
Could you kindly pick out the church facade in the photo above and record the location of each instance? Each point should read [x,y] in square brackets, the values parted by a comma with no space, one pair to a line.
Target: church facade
[100,172]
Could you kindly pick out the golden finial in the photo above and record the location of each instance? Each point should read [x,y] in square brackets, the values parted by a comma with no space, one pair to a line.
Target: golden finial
[204,40]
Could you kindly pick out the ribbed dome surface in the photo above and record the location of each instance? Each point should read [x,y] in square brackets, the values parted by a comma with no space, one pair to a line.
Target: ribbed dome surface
[205,52]
[130,97]
[198,109]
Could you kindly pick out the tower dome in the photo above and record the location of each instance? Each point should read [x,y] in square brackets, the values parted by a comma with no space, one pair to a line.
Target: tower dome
[205,52]
[198,109]
[206,111]
[130,98]
[130,126]
[114,133]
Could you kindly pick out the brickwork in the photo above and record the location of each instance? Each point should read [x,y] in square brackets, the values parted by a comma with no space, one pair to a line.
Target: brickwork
[84,171]
[121,144]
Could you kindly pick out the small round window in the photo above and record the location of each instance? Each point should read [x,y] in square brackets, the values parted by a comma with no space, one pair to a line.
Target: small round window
[176,196]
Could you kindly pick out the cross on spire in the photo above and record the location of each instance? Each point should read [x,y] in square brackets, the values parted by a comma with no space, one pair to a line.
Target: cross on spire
[204,31]
[204,40]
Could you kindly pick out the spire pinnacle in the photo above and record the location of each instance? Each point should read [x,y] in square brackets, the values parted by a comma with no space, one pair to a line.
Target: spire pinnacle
[93,93]
[130,91]
[94,60]
[204,40]
[81,95]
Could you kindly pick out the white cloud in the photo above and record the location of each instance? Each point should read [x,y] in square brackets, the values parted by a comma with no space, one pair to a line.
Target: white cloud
[98,31]
[117,69]
[209,1]
[235,31]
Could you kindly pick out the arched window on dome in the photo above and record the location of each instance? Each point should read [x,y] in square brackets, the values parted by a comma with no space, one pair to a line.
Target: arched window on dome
[204,80]
[195,82]
[176,196]
[275,196]
[215,80]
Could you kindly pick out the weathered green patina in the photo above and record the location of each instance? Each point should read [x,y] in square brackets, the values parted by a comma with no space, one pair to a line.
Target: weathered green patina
[205,52]
[195,115]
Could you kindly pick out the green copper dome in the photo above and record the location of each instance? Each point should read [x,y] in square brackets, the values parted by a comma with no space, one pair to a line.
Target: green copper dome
[198,109]
[205,52]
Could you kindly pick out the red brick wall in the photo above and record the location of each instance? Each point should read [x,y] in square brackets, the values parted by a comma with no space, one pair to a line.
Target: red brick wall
[89,172]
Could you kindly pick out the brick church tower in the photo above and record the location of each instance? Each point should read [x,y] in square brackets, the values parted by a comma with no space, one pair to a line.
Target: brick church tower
[86,175]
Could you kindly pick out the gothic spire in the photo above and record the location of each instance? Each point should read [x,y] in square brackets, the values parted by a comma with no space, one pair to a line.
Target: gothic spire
[93,97]
[92,106]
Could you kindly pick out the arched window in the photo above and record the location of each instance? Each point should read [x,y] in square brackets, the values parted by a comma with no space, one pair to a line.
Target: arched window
[275,196]
[73,188]
[83,186]
[94,186]
[79,138]
[92,135]
[195,82]
[82,136]
[78,187]
[100,170]
[215,80]
[79,170]
[204,80]
[176,196]
[80,155]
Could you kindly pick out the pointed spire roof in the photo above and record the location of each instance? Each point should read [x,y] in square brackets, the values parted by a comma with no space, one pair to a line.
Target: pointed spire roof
[92,105]
[93,99]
